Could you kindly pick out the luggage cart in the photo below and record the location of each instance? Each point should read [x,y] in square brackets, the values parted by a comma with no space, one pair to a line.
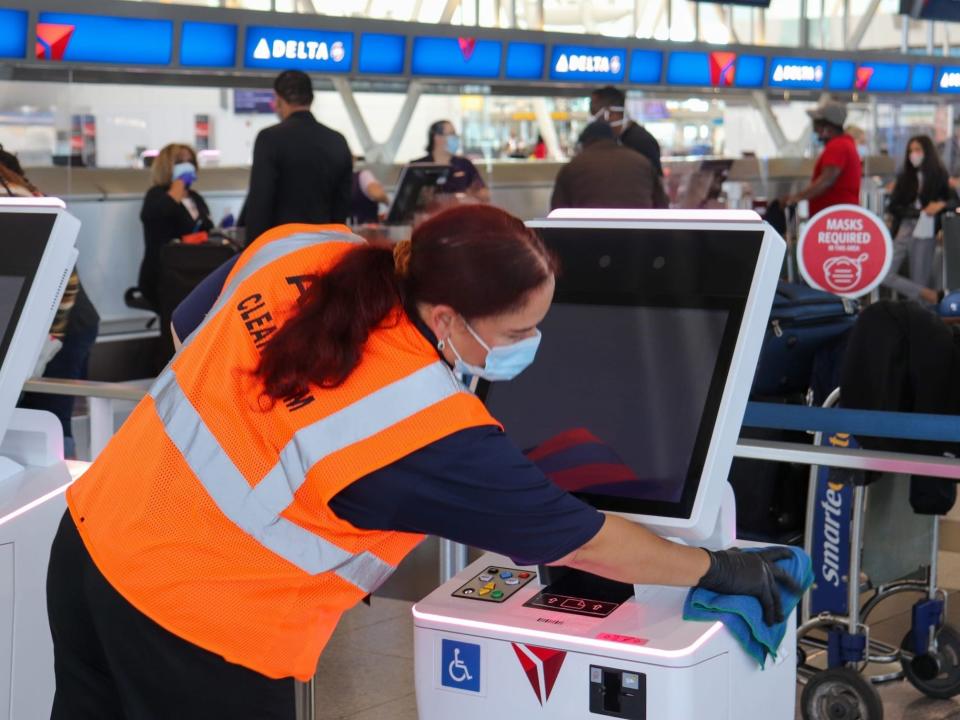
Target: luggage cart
[834,614]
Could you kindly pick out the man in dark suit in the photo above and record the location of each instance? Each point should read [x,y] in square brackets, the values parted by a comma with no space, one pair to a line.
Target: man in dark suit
[302,170]
[606,174]
[609,105]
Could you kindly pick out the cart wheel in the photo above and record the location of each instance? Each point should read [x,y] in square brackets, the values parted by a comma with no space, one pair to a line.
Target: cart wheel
[936,675]
[840,694]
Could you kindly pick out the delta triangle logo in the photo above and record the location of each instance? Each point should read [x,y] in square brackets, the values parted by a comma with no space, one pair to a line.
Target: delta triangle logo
[542,666]
[722,65]
[467,46]
[262,50]
[863,77]
[563,65]
[52,40]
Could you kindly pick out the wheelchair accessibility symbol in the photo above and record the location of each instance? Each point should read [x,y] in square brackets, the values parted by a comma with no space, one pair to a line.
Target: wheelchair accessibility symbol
[460,665]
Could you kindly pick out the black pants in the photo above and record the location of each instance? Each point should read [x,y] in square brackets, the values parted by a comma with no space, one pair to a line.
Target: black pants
[112,661]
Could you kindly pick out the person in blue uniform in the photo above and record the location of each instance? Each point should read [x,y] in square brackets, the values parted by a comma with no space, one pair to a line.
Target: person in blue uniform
[443,148]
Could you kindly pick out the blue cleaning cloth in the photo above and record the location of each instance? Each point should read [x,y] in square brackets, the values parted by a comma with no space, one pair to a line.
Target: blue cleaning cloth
[743,615]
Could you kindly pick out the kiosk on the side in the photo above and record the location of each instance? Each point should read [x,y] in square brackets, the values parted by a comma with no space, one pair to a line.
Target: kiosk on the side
[649,352]
[37,242]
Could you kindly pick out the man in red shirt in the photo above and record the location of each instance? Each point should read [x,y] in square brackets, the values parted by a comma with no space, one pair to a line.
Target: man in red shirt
[836,176]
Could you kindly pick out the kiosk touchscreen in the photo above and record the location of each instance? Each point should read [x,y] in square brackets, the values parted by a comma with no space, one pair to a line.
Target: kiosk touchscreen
[634,403]
[415,189]
[37,239]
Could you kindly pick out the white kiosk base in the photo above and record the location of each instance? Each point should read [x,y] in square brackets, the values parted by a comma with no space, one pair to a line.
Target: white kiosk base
[641,662]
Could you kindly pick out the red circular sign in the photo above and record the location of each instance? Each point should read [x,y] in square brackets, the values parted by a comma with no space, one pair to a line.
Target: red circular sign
[845,250]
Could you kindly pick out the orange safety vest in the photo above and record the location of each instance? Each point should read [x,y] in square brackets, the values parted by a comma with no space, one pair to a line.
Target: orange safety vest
[209,509]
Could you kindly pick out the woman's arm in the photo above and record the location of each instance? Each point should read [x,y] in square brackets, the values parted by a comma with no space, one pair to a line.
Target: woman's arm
[630,553]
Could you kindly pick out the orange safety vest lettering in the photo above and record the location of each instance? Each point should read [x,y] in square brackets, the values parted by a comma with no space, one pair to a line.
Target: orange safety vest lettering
[209,509]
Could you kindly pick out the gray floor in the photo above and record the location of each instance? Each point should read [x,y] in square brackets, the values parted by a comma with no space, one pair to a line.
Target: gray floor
[366,672]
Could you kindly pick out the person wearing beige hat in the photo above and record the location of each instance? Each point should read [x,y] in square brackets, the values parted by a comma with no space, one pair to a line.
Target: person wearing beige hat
[836,176]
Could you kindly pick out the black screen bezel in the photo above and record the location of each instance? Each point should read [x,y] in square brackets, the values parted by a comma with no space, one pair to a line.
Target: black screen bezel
[22,258]
[711,269]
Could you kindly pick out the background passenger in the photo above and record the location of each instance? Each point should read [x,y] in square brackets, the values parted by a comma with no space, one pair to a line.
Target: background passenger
[920,196]
[609,105]
[302,170]
[837,174]
[607,175]
[367,195]
[171,209]
[443,148]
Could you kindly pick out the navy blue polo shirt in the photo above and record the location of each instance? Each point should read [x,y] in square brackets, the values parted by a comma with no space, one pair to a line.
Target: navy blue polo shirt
[473,486]
[463,175]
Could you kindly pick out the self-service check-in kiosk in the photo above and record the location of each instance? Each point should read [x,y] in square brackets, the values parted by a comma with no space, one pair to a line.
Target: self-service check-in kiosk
[650,348]
[37,239]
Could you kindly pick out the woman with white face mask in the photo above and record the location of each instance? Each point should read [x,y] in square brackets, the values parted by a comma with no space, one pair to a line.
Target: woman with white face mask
[920,196]
[444,146]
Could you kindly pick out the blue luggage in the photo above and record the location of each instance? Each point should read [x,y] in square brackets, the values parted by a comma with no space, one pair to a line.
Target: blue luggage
[803,323]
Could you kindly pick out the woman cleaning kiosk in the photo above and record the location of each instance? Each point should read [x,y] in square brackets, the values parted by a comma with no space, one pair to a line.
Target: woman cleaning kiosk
[311,429]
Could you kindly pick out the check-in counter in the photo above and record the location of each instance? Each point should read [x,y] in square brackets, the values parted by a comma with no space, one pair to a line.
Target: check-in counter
[108,201]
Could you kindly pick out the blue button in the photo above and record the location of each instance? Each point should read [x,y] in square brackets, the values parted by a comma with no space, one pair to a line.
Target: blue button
[460,665]
[506,574]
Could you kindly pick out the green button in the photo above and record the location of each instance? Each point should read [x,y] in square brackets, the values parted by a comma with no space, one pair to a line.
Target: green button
[496,594]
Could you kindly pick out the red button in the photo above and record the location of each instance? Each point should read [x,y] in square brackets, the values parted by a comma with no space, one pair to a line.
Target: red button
[523,576]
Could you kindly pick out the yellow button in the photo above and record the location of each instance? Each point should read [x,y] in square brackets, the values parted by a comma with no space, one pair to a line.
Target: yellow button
[484,591]
[490,585]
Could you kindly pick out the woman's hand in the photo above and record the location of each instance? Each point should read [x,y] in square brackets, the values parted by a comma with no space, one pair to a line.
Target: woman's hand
[178,190]
[934,207]
[734,572]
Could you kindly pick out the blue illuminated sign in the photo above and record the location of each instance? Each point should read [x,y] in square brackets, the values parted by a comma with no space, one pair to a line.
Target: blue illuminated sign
[842,74]
[578,62]
[525,60]
[72,37]
[688,68]
[883,77]
[750,70]
[948,81]
[208,45]
[382,54]
[456,57]
[922,78]
[295,49]
[797,73]
[646,67]
[13,33]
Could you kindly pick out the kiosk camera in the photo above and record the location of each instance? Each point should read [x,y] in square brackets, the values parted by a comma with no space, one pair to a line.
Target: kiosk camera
[648,353]
[37,240]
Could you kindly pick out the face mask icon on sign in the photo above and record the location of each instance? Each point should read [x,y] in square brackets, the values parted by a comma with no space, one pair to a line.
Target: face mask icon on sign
[843,273]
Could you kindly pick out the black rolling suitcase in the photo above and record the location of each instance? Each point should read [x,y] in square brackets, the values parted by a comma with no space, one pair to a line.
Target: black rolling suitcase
[802,351]
[182,267]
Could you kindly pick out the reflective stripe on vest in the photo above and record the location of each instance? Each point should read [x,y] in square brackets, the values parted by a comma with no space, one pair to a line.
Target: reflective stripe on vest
[256,510]
[269,253]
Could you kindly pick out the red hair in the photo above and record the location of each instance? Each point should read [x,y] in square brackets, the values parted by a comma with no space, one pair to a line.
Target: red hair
[478,259]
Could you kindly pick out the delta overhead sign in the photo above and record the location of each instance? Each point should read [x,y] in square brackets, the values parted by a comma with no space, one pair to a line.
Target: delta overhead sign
[295,49]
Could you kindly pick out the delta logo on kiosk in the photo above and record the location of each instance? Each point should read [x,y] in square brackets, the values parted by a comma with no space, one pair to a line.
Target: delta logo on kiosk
[845,250]
[542,666]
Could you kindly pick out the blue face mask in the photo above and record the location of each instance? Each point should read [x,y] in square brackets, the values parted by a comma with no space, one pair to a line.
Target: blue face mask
[453,144]
[503,362]
[185,171]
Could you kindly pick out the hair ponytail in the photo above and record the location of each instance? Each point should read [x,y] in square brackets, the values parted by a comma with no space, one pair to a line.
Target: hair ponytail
[479,260]
[323,341]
